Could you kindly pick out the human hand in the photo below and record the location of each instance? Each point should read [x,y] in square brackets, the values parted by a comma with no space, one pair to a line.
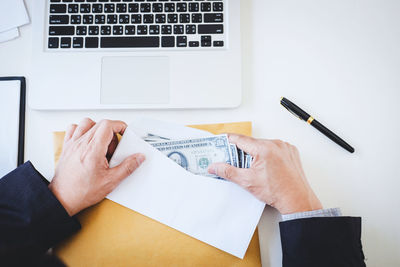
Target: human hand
[83,176]
[275,177]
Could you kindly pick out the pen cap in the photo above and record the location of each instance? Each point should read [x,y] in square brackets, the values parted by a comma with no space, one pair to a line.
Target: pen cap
[294,109]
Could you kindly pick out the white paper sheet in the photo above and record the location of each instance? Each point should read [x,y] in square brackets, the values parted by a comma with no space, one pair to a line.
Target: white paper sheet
[9,35]
[9,125]
[216,212]
[12,14]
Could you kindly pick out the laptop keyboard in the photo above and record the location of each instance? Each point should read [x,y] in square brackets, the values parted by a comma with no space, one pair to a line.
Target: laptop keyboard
[103,24]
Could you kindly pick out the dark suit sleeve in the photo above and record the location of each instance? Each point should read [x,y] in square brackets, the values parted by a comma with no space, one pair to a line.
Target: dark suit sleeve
[322,241]
[31,218]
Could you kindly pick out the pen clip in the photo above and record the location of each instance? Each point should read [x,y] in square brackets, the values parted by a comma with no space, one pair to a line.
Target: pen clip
[294,114]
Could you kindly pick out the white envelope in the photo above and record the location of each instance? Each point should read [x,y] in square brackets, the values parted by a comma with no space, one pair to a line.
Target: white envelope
[214,211]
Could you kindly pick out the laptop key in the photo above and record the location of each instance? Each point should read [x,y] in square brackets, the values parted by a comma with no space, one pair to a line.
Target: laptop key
[58,8]
[127,42]
[93,30]
[181,7]
[109,8]
[194,44]
[136,19]
[59,19]
[197,18]
[169,7]
[65,42]
[77,42]
[106,30]
[76,19]
[218,43]
[184,18]
[118,30]
[213,17]
[129,30]
[73,8]
[172,18]
[61,30]
[100,19]
[91,42]
[168,41]
[53,42]
[160,18]
[97,8]
[205,7]
[154,29]
[145,8]
[157,7]
[206,41]
[194,7]
[87,19]
[211,29]
[133,8]
[85,8]
[190,29]
[178,29]
[218,6]
[181,41]
[81,30]
[166,29]
[121,8]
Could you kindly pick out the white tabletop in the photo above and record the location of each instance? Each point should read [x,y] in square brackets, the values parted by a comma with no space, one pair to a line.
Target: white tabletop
[339,60]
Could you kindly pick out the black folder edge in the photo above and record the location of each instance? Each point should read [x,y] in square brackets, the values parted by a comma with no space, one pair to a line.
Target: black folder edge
[22,103]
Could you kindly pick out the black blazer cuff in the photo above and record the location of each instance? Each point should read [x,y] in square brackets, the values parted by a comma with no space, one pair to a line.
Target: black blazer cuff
[32,212]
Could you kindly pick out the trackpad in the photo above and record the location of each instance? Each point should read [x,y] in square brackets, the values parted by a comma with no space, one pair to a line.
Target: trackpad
[135,80]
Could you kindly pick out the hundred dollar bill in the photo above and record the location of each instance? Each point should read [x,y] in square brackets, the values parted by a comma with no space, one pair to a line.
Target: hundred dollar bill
[241,158]
[195,155]
[249,160]
[234,155]
[154,138]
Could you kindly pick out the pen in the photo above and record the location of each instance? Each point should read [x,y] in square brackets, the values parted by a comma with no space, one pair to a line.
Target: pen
[302,115]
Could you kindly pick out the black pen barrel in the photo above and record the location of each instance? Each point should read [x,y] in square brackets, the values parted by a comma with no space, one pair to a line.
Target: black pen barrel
[328,133]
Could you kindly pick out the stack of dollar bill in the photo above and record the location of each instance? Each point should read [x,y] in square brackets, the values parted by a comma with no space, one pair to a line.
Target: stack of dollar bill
[195,155]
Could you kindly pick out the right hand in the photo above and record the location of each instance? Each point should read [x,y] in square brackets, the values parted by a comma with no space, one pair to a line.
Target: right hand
[276,176]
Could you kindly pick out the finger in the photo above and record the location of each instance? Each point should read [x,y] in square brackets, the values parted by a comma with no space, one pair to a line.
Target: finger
[105,132]
[228,172]
[126,167]
[70,131]
[246,143]
[85,125]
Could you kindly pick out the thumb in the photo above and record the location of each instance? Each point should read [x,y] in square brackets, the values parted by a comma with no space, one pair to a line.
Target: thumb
[227,172]
[127,167]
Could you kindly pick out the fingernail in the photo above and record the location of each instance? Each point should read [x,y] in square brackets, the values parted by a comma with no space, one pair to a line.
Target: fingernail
[140,158]
[231,137]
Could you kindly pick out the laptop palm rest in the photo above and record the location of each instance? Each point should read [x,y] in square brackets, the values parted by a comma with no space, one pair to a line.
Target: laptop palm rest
[135,80]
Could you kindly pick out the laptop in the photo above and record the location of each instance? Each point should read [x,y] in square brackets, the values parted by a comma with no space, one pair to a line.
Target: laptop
[135,54]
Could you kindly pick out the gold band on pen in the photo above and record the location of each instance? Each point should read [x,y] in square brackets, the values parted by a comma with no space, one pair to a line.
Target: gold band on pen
[310,120]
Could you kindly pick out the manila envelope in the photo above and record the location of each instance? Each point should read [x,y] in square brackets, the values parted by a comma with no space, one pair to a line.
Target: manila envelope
[113,235]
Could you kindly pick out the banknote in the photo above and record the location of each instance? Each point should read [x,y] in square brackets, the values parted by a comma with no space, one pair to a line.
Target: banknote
[248,161]
[241,158]
[234,155]
[154,138]
[195,155]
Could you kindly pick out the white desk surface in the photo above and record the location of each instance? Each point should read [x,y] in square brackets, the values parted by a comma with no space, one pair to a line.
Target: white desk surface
[339,60]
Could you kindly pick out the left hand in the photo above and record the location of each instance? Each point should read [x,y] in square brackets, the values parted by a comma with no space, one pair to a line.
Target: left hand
[83,176]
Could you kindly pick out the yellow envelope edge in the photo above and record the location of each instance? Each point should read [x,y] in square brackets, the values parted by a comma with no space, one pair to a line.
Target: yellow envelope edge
[113,235]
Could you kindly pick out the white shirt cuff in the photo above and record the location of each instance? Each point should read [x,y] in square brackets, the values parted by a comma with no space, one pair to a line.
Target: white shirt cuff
[333,212]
